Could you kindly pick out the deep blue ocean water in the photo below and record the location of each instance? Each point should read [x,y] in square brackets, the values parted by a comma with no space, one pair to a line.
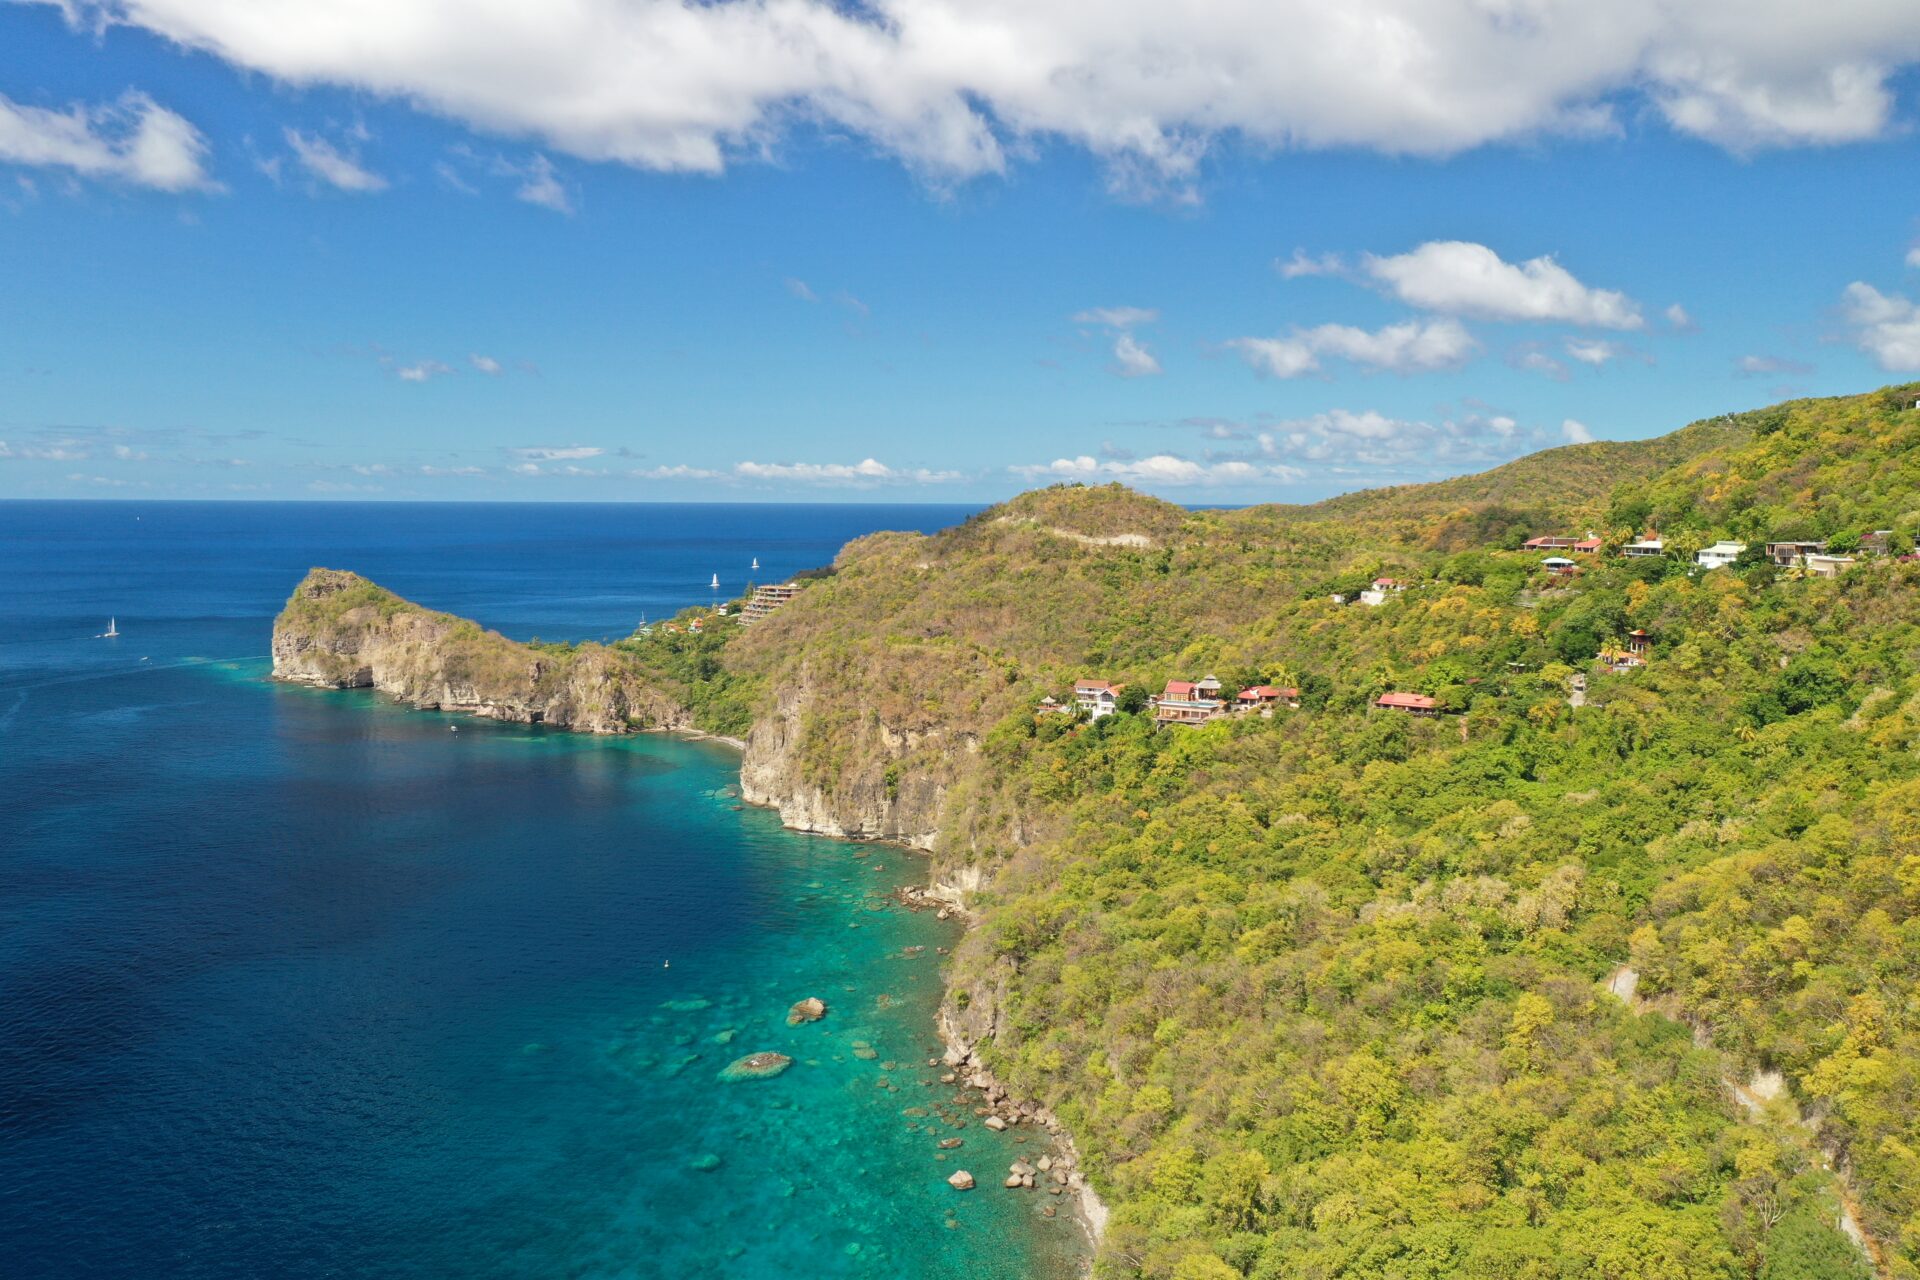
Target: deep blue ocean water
[300,983]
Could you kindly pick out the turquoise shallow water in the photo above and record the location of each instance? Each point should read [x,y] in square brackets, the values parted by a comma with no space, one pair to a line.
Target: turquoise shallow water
[304,984]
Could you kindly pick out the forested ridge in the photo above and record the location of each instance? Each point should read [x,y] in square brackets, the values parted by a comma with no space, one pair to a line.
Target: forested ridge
[1503,994]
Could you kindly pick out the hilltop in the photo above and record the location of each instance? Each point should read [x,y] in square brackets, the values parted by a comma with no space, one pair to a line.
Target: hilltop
[1608,978]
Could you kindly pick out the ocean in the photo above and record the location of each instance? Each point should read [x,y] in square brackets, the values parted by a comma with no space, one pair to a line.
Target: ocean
[299,983]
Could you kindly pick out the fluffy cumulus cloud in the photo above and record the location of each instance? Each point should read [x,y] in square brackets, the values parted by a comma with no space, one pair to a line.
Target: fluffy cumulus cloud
[1414,346]
[1158,470]
[136,140]
[332,165]
[1576,432]
[1593,351]
[864,474]
[1885,326]
[1461,278]
[957,87]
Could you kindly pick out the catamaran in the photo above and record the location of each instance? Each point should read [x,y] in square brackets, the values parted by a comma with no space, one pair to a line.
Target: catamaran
[112,631]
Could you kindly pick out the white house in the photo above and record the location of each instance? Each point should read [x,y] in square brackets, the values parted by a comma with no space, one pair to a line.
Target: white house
[1719,555]
[1819,566]
[1650,545]
[1377,594]
[1097,697]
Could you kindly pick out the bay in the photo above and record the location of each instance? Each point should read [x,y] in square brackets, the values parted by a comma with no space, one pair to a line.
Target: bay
[300,983]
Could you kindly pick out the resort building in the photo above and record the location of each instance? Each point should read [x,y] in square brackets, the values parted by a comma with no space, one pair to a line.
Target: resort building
[1377,594]
[1558,566]
[1719,555]
[1586,545]
[1189,702]
[1097,697]
[1265,697]
[1414,704]
[1877,543]
[1826,566]
[1787,554]
[1648,546]
[1619,660]
[1639,642]
[765,600]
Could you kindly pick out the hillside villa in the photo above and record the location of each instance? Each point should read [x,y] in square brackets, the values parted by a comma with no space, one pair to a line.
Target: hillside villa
[1585,546]
[1382,587]
[1648,546]
[1263,698]
[1788,554]
[1414,704]
[1558,566]
[1097,697]
[1189,702]
[1719,555]
[1822,566]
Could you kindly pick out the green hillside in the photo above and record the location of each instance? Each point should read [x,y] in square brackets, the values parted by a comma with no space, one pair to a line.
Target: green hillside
[1324,995]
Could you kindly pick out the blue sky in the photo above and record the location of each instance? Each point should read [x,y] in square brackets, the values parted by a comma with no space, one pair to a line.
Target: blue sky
[411,250]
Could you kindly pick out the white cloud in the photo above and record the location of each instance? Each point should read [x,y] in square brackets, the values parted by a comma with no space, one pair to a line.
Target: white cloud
[1158,469]
[1304,264]
[801,290]
[859,474]
[1755,366]
[1678,320]
[563,453]
[1462,278]
[957,87]
[1576,432]
[485,364]
[1913,256]
[681,472]
[1593,351]
[1409,347]
[1886,326]
[331,165]
[53,451]
[1131,359]
[542,186]
[135,140]
[1531,357]
[1116,317]
[422,371]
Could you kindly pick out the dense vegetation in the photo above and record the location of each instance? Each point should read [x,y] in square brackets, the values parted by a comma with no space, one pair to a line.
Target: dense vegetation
[1327,994]
[1621,990]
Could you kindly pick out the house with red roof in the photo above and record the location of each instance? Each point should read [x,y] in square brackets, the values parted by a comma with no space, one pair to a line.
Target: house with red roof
[1263,698]
[1189,702]
[1414,704]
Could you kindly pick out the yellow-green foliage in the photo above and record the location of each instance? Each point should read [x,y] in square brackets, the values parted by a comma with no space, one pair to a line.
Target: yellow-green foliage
[1322,995]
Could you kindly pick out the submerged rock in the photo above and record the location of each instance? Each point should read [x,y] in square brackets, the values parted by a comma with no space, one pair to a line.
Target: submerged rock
[812,1009]
[756,1066]
[704,1163]
[960,1180]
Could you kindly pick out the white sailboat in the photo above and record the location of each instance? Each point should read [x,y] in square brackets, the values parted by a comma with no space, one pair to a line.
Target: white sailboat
[756,562]
[716,582]
[112,631]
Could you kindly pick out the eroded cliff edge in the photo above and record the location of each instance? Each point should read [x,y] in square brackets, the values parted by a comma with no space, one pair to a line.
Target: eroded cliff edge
[340,631]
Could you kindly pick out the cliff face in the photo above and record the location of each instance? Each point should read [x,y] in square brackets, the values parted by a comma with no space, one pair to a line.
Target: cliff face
[876,792]
[340,631]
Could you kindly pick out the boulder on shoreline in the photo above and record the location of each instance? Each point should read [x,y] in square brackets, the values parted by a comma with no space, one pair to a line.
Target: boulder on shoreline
[756,1066]
[960,1180]
[812,1009]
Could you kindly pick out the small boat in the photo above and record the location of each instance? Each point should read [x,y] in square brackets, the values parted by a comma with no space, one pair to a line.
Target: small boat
[716,582]
[112,632]
[756,562]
